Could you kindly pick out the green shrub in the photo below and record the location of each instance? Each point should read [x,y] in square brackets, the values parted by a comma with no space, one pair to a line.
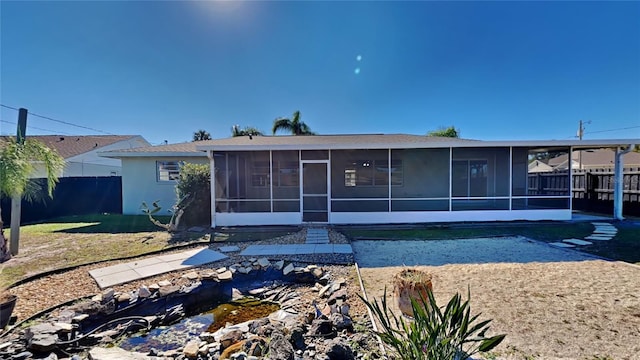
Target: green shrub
[433,334]
[194,194]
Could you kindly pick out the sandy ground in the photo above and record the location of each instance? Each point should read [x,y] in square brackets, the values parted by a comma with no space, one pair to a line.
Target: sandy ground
[552,303]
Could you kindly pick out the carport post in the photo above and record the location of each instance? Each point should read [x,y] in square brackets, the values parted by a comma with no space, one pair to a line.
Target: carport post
[212,181]
[618,182]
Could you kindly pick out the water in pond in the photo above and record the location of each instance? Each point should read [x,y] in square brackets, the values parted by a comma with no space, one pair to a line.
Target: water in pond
[177,335]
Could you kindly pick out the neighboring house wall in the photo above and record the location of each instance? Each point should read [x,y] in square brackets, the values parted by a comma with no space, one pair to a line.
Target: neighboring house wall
[140,183]
[91,164]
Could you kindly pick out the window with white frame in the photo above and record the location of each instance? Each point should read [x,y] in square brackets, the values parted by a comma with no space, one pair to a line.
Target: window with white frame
[168,170]
[373,173]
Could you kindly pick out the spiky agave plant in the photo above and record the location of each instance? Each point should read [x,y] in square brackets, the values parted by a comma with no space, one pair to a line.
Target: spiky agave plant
[433,333]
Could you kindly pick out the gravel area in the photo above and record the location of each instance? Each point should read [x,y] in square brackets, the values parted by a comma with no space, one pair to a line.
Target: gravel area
[377,253]
[49,291]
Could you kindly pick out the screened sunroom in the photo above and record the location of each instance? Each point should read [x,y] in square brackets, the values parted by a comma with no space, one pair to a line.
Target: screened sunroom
[356,179]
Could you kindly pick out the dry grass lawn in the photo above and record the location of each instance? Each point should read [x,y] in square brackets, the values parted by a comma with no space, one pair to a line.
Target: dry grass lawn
[566,310]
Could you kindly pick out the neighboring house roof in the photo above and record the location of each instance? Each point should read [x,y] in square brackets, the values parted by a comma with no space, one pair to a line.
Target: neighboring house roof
[595,158]
[187,149]
[72,145]
[357,141]
[537,166]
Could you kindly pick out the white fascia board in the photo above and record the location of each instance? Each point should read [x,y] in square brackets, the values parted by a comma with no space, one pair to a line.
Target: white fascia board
[428,144]
[118,155]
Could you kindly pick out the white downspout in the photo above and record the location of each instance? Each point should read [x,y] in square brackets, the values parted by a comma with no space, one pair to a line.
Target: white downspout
[618,180]
[212,172]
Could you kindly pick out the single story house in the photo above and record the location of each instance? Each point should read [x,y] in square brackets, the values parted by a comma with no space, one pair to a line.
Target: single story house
[149,173]
[358,179]
[80,153]
[594,159]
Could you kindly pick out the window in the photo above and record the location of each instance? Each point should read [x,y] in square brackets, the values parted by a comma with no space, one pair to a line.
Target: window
[372,173]
[260,174]
[469,178]
[285,173]
[168,170]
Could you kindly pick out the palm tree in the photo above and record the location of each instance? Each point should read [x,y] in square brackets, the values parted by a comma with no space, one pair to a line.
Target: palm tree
[201,135]
[451,132]
[246,131]
[16,164]
[293,125]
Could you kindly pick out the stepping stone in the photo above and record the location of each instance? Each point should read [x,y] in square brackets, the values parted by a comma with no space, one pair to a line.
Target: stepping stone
[561,245]
[226,249]
[606,231]
[577,242]
[599,237]
[603,234]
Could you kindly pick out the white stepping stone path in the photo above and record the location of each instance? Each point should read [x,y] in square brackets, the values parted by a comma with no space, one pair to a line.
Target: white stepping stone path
[603,232]
[606,231]
[599,237]
[577,242]
[562,245]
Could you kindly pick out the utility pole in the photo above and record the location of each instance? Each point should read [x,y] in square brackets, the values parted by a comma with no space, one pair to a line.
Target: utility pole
[16,201]
[580,134]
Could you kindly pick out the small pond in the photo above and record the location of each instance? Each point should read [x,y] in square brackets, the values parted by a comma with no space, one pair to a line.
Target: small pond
[176,335]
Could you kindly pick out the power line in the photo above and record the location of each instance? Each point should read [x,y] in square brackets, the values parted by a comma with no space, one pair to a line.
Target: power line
[601,131]
[37,128]
[59,121]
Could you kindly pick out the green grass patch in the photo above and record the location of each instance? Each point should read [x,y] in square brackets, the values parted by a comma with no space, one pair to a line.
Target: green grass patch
[625,246]
[99,223]
[78,240]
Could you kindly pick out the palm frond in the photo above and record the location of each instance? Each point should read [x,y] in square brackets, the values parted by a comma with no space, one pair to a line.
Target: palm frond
[281,124]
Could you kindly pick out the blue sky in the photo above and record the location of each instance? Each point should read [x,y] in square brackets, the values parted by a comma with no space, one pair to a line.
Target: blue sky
[495,70]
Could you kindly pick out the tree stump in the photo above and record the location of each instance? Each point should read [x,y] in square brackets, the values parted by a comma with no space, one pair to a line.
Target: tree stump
[408,284]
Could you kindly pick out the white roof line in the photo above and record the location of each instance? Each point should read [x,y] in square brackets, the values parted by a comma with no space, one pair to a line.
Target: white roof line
[412,145]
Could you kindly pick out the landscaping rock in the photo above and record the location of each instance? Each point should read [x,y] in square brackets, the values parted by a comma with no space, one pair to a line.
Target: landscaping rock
[320,327]
[296,337]
[264,262]
[230,338]
[280,348]
[167,290]
[225,276]
[341,322]
[338,295]
[144,292]
[115,353]
[192,275]
[22,356]
[288,269]
[278,265]
[42,337]
[191,349]
[338,349]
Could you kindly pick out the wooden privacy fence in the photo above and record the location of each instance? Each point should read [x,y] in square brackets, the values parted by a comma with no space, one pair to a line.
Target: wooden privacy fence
[592,189]
[72,196]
